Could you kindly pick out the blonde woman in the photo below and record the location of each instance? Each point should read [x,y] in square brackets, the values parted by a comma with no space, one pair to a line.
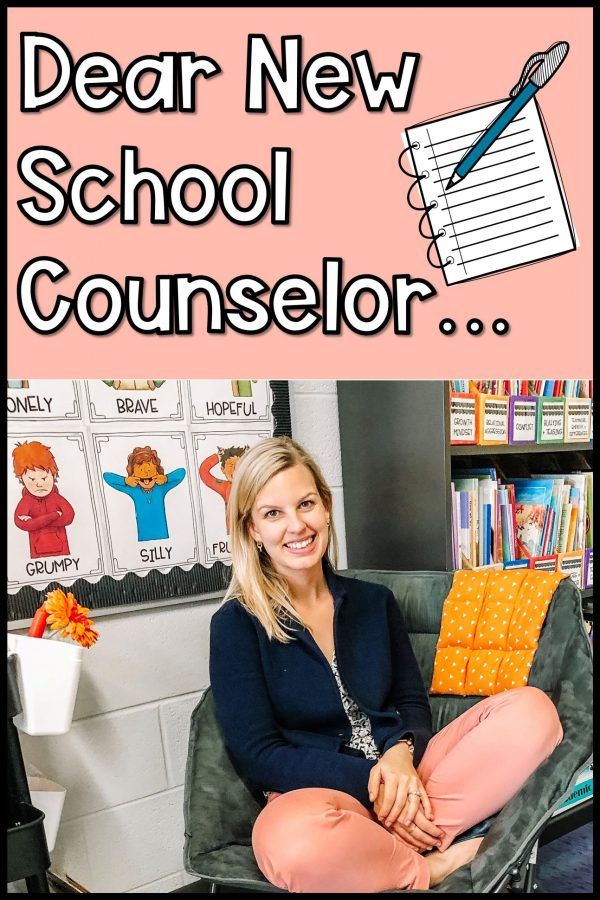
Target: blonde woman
[322,706]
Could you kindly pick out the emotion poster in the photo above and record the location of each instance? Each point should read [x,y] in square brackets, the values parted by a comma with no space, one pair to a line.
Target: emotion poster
[216,456]
[53,523]
[147,500]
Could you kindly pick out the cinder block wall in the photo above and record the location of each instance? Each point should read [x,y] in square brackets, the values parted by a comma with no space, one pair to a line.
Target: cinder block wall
[123,761]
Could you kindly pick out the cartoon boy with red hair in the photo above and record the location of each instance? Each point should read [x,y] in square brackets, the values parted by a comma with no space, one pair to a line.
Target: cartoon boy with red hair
[41,511]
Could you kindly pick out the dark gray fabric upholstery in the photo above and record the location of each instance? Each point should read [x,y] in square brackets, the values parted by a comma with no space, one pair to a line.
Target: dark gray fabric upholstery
[220,810]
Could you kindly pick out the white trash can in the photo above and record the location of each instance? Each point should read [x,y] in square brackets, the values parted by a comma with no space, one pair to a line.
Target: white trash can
[49,797]
[48,676]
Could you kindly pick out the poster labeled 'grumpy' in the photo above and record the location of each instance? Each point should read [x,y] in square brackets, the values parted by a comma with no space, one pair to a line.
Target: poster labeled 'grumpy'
[54,533]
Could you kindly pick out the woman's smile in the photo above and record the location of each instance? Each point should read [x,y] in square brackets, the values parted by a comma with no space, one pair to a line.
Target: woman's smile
[298,547]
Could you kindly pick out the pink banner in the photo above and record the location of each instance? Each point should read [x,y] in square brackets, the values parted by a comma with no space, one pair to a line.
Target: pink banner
[272,230]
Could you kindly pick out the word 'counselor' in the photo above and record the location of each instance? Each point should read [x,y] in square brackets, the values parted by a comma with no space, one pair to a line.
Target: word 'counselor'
[295,304]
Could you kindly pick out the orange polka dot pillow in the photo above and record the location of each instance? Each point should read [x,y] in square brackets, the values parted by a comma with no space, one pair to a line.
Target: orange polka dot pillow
[491,624]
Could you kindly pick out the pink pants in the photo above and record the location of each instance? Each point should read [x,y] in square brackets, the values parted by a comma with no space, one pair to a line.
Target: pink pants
[315,840]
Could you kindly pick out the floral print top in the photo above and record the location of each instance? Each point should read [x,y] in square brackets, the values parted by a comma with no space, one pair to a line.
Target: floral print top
[361,739]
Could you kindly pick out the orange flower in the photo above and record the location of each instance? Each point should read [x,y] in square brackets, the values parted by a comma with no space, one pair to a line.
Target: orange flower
[65,615]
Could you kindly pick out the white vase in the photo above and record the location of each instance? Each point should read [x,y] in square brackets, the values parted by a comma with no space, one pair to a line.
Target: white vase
[48,676]
[49,797]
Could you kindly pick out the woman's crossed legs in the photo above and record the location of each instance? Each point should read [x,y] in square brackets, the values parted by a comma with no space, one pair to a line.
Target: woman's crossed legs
[320,840]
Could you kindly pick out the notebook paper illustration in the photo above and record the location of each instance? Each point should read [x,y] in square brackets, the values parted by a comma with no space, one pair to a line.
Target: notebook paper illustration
[511,209]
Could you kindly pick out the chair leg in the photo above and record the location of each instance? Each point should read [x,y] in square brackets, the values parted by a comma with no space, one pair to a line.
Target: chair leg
[37,884]
[522,878]
[214,888]
[530,873]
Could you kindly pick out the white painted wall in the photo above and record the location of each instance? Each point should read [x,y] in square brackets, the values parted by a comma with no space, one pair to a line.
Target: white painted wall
[123,761]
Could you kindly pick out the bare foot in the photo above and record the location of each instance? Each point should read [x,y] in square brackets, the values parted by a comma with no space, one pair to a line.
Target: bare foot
[457,855]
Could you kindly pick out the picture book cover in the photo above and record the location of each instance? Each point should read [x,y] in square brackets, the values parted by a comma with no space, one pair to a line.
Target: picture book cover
[532,499]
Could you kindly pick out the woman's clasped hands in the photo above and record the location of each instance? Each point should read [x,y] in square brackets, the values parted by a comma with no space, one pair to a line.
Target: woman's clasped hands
[400,801]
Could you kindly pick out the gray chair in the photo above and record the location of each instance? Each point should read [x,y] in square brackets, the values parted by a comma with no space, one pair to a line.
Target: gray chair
[220,810]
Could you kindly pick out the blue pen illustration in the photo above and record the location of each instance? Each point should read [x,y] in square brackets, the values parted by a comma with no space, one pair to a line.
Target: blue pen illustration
[539,69]
[147,485]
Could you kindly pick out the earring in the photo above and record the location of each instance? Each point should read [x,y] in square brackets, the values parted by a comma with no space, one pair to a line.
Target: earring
[259,546]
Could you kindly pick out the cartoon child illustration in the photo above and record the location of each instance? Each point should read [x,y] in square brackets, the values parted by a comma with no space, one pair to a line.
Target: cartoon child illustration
[242,388]
[41,511]
[228,459]
[147,485]
[17,383]
[134,384]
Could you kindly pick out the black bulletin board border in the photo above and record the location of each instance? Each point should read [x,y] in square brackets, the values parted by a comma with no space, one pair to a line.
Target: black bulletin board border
[134,589]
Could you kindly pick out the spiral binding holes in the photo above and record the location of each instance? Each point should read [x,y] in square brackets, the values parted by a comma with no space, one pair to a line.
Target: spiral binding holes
[415,145]
[418,178]
[449,259]
[425,210]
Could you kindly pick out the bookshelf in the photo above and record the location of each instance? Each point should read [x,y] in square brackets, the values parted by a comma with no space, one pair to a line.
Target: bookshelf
[396,465]
[506,449]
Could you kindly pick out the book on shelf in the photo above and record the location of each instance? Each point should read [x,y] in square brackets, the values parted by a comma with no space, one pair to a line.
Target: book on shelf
[540,522]
[589,519]
[533,513]
[516,564]
[588,572]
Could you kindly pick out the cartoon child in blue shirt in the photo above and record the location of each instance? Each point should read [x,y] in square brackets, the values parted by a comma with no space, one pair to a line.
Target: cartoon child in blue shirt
[147,485]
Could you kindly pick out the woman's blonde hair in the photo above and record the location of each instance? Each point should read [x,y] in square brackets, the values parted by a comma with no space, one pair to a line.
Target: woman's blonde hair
[255,583]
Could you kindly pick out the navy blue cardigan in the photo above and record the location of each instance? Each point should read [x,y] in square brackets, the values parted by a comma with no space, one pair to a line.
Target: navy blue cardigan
[279,707]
